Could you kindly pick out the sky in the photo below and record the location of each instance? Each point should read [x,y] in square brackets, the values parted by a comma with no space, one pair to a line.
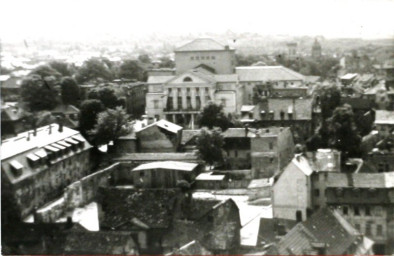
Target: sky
[94,19]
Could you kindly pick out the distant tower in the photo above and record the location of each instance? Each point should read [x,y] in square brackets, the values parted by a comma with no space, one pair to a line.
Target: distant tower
[316,50]
[292,50]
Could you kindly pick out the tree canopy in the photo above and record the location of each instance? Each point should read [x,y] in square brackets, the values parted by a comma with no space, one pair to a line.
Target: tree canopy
[339,132]
[210,146]
[92,70]
[88,115]
[330,98]
[45,71]
[61,67]
[213,116]
[38,93]
[106,95]
[111,124]
[69,91]
[130,69]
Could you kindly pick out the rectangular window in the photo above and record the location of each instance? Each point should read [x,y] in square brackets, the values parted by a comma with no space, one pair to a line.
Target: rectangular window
[317,192]
[156,104]
[236,153]
[207,57]
[379,230]
[345,210]
[357,226]
[367,211]
[356,211]
[368,229]
[202,58]
[271,145]
[192,58]
[213,57]
[197,58]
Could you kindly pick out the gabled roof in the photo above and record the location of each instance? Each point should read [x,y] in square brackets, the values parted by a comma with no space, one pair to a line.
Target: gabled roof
[201,44]
[267,73]
[169,165]
[384,117]
[327,228]
[188,135]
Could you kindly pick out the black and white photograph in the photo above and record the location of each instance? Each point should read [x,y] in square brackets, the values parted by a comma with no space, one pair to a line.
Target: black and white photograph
[209,127]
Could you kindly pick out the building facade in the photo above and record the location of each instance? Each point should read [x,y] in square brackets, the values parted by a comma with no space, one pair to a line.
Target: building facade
[37,165]
[205,51]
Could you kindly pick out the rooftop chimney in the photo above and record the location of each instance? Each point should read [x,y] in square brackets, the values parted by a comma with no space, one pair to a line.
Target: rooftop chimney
[246,131]
[69,223]
[59,121]
[50,129]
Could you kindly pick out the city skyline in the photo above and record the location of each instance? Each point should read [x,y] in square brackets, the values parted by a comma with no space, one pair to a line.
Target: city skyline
[72,20]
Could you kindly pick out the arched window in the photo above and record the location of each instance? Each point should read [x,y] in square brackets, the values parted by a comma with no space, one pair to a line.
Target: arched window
[187,79]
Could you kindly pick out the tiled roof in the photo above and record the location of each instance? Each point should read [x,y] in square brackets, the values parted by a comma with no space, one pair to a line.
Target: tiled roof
[101,242]
[360,180]
[268,230]
[170,165]
[384,117]
[152,207]
[159,79]
[325,227]
[157,157]
[267,73]
[201,44]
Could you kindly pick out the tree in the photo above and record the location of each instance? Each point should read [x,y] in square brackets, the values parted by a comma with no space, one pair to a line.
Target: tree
[339,132]
[167,62]
[330,98]
[60,67]
[45,71]
[88,115]
[111,124]
[38,93]
[213,116]
[210,146]
[106,95]
[69,91]
[144,58]
[131,70]
[94,69]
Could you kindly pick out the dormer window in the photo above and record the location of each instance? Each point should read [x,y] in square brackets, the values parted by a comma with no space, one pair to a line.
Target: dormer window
[33,160]
[187,79]
[16,168]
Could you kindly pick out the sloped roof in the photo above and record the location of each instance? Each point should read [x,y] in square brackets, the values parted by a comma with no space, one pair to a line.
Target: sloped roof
[192,248]
[65,109]
[188,135]
[267,73]
[360,180]
[325,226]
[226,78]
[201,44]
[384,117]
[164,124]
[101,242]
[152,207]
[159,79]
[19,144]
[300,108]
[303,164]
[169,165]
[157,157]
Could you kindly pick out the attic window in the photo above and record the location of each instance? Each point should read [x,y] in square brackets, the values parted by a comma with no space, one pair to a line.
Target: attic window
[187,79]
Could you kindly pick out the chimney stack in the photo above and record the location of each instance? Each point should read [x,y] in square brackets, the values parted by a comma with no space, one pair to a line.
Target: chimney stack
[28,136]
[50,129]
[59,121]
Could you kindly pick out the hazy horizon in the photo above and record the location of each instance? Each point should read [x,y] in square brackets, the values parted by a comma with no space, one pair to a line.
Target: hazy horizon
[96,20]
